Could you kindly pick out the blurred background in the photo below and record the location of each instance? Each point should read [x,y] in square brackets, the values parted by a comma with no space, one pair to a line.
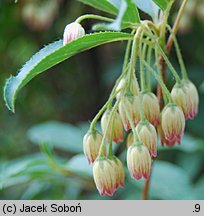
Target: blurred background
[41,155]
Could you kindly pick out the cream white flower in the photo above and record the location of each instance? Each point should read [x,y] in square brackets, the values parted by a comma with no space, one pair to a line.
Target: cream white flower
[72,31]
[139,161]
[119,170]
[173,123]
[185,95]
[148,136]
[105,176]
[129,104]
[116,125]
[91,145]
[151,107]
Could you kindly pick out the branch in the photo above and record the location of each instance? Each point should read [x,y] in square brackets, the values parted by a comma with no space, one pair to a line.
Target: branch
[176,26]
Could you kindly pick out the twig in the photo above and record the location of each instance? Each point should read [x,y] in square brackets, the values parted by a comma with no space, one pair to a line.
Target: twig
[146,190]
[176,26]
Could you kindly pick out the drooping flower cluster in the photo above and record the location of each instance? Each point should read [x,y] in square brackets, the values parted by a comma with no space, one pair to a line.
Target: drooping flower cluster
[134,109]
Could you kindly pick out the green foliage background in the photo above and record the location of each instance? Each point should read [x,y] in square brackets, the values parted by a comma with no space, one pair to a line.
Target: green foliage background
[41,145]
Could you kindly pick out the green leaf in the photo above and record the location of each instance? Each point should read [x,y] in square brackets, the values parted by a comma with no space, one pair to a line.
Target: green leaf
[52,55]
[116,3]
[59,135]
[191,162]
[79,165]
[128,15]
[162,3]
[167,180]
[199,189]
[103,5]
[18,171]
[33,189]
[131,13]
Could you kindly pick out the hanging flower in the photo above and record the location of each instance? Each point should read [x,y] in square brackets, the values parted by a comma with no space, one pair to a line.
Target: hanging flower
[123,84]
[129,104]
[116,126]
[151,107]
[185,95]
[91,145]
[173,123]
[139,161]
[148,136]
[119,170]
[105,176]
[163,140]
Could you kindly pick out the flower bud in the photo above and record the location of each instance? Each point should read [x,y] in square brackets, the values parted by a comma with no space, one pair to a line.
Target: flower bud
[133,86]
[104,176]
[116,126]
[193,98]
[139,161]
[91,145]
[173,123]
[148,136]
[185,95]
[180,97]
[72,31]
[119,170]
[129,104]
[151,107]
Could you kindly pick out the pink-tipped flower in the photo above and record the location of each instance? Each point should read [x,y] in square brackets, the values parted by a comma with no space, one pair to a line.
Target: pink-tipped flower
[193,98]
[148,136]
[129,104]
[185,95]
[173,123]
[133,86]
[119,170]
[139,161]
[104,174]
[180,97]
[91,145]
[151,108]
[116,126]
[163,140]
[72,31]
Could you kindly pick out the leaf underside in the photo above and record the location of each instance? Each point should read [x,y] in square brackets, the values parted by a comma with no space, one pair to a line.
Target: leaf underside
[162,3]
[51,55]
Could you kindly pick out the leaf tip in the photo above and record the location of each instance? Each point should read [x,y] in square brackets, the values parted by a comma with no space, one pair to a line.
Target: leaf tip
[9,97]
